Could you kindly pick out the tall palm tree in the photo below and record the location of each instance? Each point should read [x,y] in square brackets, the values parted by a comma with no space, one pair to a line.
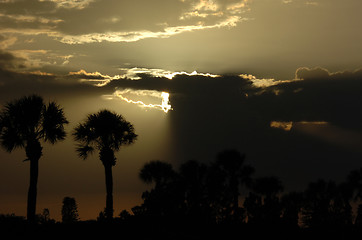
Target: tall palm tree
[106,132]
[24,123]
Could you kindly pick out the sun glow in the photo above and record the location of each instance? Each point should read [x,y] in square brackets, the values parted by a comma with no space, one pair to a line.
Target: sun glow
[125,95]
[165,102]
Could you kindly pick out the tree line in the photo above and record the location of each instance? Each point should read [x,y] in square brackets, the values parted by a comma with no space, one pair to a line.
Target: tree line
[226,192]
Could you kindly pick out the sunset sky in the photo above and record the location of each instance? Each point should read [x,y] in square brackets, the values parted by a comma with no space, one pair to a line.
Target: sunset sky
[278,80]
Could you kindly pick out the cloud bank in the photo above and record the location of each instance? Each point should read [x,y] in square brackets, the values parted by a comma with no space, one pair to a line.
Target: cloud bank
[88,21]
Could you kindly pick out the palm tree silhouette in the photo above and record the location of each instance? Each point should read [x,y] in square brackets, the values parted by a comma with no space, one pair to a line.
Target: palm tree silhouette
[354,179]
[237,173]
[166,198]
[106,132]
[24,123]
[292,203]
[158,172]
[268,189]
[319,197]
[193,175]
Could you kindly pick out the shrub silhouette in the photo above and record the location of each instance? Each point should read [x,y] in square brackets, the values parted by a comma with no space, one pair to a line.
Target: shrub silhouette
[69,210]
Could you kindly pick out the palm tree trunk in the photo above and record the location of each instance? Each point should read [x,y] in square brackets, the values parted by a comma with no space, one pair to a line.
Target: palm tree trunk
[33,151]
[32,192]
[109,191]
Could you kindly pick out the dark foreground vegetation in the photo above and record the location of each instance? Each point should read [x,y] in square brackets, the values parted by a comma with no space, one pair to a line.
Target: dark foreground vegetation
[153,228]
[221,200]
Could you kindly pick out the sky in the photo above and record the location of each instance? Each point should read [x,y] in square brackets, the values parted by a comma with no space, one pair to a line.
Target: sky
[278,80]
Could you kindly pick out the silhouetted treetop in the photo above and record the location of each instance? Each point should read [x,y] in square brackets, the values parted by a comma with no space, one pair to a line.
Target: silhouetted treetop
[30,119]
[157,172]
[232,162]
[69,210]
[103,130]
[354,179]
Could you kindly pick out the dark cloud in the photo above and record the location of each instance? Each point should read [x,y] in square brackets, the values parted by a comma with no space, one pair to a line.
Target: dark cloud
[9,61]
[16,81]
[322,96]
[319,73]
[211,114]
[187,85]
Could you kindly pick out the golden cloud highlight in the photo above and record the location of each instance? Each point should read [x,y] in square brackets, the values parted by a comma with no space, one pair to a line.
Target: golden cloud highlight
[140,35]
[287,126]
[133,73]
[127,94]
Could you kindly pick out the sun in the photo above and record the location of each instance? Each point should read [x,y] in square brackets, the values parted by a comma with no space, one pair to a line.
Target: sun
[165,105]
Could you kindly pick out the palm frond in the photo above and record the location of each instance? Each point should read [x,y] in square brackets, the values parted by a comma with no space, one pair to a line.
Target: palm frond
[156,171]
[105,129]
[84,133]
[84,150]
[29,118]
[11,139]
[27,114]
[20,121]
[53,123]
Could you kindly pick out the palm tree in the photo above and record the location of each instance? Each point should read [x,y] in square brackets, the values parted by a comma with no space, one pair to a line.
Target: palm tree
[193,175]
[237,173]
[158,172]
[167,196]
[106,132]
[354,179]
[319,197]
[24,123]
[291,203]
[268,188]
